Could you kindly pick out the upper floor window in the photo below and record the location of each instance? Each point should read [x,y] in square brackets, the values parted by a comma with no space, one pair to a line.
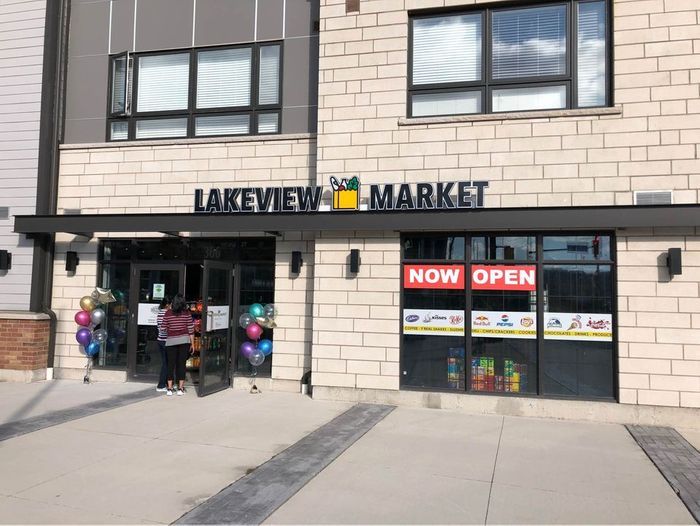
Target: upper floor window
[195,93]
[534,57]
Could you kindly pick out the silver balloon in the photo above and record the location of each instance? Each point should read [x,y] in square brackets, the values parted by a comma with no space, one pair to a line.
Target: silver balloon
[256,358]
[103,295]
[266,322]
[270,310]
[99,335]
[97,316]
[245,320]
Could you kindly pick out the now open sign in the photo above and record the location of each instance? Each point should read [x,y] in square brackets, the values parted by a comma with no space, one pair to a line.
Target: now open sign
[433,277]
[503,277]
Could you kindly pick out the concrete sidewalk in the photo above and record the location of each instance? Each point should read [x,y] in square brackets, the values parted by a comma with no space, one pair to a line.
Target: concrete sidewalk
[154,460]
[427,466]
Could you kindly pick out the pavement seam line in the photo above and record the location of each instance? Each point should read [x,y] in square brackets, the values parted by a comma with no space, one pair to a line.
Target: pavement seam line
[493,473]
[254,497]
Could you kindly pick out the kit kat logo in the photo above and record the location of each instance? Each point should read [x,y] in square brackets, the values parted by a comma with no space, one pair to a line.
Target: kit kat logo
[503,277]
[433,277]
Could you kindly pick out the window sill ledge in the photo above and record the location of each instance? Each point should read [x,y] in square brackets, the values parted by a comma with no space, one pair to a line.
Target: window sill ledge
[202,140]
[517,115]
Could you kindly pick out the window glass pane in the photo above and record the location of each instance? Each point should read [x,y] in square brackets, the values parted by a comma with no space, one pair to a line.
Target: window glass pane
[119,75]
[163,82]
[504,341]
[268,123]
[224,78]
[447,49]
[113,351]
[591,54]
[523,99]
[452,103]
[269,75]
[433,247]
[119,130]
[576,248]
[257,286]
[504,248]
[433,360]
[529,42]
[156,128]
[222,125]
[577,355]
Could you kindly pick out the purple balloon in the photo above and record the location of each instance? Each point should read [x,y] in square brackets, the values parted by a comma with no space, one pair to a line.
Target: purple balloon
[247,349]
[83,336]
[82,318]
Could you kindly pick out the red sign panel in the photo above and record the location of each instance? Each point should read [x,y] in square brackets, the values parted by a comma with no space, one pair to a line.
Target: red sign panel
[503,277]
[433,277]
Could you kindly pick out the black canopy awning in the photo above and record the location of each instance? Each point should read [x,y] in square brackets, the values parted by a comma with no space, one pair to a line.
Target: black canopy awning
[550,218]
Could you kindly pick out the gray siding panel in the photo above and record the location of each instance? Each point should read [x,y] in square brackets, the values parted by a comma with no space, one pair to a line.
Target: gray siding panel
[21,51]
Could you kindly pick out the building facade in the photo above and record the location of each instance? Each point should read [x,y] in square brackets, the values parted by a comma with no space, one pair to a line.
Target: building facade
[450,203]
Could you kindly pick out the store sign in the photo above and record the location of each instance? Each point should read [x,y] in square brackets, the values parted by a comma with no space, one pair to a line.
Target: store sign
[148,314]
[158,291]
[578,326]
[433,277]
[504,277]
[345,196]
[504,324]
[433,322]
[217,317]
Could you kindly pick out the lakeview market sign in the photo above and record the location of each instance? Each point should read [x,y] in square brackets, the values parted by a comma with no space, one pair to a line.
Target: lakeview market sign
[345,197]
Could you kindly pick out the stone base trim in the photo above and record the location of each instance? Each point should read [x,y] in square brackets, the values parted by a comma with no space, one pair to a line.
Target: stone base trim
[601,412]
[22,376]
[97,375]
[243,383]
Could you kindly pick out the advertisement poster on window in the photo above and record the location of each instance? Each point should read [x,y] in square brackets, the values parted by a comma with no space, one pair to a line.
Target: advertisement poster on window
[442,277]
[158,291]
[148,314]
[578,326]
[217,317]
[504,324]
[434,322]
[504,277]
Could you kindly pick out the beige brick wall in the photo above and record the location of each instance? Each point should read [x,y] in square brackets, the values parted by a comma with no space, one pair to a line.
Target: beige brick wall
[545,161]
[659,320]
[162,178]
[356,316]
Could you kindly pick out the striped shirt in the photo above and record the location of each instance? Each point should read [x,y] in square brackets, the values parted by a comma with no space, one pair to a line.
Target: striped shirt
[177,328]
[162,335]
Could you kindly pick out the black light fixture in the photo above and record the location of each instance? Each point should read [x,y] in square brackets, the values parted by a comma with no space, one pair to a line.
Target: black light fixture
[5,260]
[72,261]
[296,262]
[674,263]
[354,260]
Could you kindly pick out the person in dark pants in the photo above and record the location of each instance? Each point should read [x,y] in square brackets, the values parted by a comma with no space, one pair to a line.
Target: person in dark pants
[178,326]
[162,380]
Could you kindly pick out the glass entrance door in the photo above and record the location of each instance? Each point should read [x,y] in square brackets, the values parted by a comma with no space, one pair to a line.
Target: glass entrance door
[217,287]
[149,285]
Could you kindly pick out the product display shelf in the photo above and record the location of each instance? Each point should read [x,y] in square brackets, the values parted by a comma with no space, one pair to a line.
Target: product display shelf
[193,361]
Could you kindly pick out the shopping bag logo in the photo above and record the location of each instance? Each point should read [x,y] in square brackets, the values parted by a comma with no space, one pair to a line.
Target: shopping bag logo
[346,194]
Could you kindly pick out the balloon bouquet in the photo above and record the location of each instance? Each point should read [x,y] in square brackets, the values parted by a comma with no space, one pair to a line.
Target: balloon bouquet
[253,321]
[88,318]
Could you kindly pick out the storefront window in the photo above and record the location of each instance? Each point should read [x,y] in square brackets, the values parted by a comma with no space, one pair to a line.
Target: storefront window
[115,276]
[472,323]
[257,285]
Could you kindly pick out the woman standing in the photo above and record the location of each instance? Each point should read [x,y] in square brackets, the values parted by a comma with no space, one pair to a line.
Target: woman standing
[162,309]
[179,341]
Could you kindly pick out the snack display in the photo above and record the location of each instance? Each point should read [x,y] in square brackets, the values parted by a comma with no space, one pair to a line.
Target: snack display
[484,378]
[455,368]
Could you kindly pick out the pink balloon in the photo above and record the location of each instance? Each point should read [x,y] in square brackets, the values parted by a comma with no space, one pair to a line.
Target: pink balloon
[82,318]
[254,331]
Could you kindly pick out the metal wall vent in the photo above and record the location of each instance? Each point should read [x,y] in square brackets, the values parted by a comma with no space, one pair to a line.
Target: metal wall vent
[71,211]
[4,212]
[660,197]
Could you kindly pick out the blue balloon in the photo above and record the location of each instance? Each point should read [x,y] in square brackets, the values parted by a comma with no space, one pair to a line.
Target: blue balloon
[92,349]
[265,346]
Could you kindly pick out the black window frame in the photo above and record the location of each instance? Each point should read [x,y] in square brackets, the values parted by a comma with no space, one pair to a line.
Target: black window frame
[191,113]
[487,84]
[540,262]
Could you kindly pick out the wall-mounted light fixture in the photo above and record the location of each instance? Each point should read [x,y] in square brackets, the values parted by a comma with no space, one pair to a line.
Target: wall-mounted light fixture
[5,260]
[296,262]
[354,261]
[72,261]
[674,263]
